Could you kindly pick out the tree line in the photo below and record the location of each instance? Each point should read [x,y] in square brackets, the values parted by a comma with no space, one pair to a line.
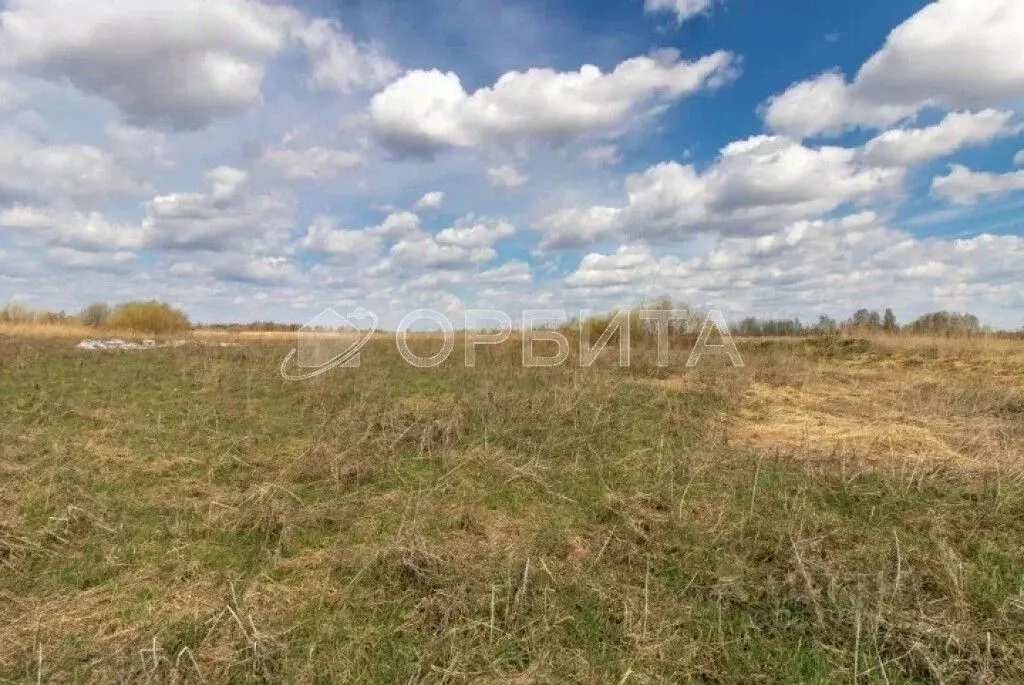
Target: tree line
[150,316]
[864,321]
[161,318]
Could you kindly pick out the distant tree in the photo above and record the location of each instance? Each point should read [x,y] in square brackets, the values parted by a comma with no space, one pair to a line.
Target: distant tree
[946,323]
[889,321]
[96,314]
[749,326]
[685,319]
[16,313]
[865,318]
[826,325]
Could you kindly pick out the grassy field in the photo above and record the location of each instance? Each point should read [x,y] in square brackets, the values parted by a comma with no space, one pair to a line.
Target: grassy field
[834,511]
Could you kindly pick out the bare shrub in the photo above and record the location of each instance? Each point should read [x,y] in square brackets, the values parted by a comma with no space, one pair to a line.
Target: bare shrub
[96,314]
[149,317]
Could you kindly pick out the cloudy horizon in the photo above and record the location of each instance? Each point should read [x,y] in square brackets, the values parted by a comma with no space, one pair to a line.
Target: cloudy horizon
[256,160]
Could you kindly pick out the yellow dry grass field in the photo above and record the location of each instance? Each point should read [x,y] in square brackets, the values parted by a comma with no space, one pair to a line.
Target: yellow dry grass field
[836,510]
[944,401]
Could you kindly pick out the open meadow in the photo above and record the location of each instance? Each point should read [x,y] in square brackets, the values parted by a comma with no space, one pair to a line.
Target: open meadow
[836,510]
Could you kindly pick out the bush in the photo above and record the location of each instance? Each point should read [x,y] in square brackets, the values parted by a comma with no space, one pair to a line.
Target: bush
[149,317]
[946,323]
[96,314]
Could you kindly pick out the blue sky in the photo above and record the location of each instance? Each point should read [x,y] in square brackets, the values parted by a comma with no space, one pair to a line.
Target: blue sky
[251,159]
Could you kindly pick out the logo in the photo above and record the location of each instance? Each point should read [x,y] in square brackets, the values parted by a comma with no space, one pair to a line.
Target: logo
[329,340]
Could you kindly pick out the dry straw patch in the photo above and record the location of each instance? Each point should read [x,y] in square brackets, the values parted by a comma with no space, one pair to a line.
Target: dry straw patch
[955,402]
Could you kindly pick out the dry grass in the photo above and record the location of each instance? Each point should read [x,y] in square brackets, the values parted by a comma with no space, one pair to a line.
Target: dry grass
[183,515]
[43,330]
[941,401]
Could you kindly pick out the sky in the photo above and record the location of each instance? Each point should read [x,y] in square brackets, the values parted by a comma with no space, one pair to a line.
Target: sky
[259,160]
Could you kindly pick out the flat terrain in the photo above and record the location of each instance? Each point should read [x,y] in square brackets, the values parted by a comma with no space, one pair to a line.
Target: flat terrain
[834,511]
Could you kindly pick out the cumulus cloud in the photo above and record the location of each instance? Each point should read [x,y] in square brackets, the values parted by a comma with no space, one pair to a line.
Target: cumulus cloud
[473,232]
[906,147]
[683,9]
[227,216]
[431,200]
[826,105]
[506,176]
[271,270]
[569,228]
[312,163]
[324,236]
[755,186]
[138,147]
[914,69]
[629,264]
[515,271]
[338,62]
[466,245]
[396,225]
[69,228]
[1018,159]
[426,111]
[178,64]
[963,186]
[32,169]
[424,251]
[118,262]
[823,265]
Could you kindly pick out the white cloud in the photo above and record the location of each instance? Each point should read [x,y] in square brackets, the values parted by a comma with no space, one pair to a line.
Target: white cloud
[906,147]
[832,266]
[226,217]
[70,258]
[602,155]
[683,9]
[629,264]
[225,181]
[506,176]
[963,186]
[181,63]
[338,62]
[459,248]
[397,225]
[515,271]
[425,252]
[431,200]
[28,168]
[312,163]
[323,236]
[825,105]
[1018,159]
[425,111]
[755,186]
[83,231]
[139,147]
[473,232]
[579,227]
[914,69]
[262,270]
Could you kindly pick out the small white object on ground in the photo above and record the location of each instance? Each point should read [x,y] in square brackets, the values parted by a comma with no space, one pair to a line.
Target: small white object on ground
[116,344]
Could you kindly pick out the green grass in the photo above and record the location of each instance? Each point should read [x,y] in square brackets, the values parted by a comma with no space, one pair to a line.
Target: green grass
[186,515]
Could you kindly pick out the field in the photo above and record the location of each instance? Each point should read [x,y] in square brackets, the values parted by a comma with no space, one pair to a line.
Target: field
[837,510]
